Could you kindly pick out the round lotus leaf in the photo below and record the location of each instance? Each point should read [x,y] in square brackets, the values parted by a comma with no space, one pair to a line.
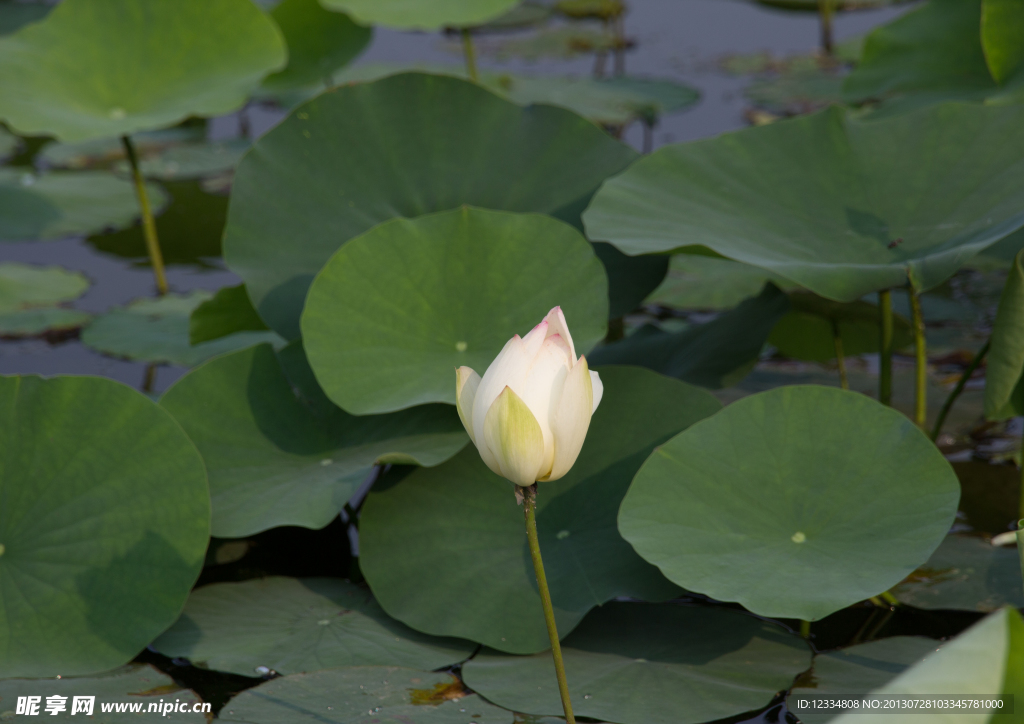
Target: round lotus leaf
[104,525]
[280,453]
[795,502]
[36,321]
[58,204]
[363,695]
[137,685]
[24,285]
[228,311]
[422,14]
[291,625]
[444,549]
[695,281]
[157,330]
[965,574]
[103,68]
[102,152]
[396,310]
[841,206]
[636,663]
[9,143]
[406,145]
[984,662]
[852,672]
[320,42]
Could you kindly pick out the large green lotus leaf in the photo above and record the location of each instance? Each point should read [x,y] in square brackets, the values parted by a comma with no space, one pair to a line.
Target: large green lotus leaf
[229,311]
[60,204]
[104,68]
[852,672]
[9,143]
[279,453]
[840,206]
[636,663]
[984,662]
[406,145]
[291,625]
[444,549]
[1002,33]
[808,330]
[422,14]
[136,683]
[363,695]
[189,230]
[630,278]
[157,330]
[103,528]
[696,281]
[795,502]
[397,309]
[715,354]
[934,50]
[966,574]
[320,42]
[23,286]
[1004,391]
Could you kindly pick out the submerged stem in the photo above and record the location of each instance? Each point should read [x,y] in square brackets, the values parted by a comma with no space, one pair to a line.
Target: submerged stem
[469,54]
[156,258]
[837,340]
[921,357]
[530,511]
[885,348]
[948,404]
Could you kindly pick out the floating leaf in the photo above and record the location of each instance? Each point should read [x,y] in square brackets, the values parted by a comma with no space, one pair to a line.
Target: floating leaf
[406,145]
[841,206]
[320,42]
[695,281]
[984,662]
[102,153]
[291,625]
[59,204]
[422,14]
[191,160]
[1004,393]
[189,230]
[33,322]
[850,673]
[636,663]
[24,285]
[105,522]
[798,92]
[157,330]
[795,502]
[1002,33]
[422,297]
[715,354]
[444,550]
[965,574]
[229,311]
[808,330]
[280,457]
[363,695]
[107,68]
[134,683]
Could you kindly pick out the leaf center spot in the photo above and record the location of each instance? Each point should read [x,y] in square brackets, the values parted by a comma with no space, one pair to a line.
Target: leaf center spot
[798,537]
[460,346]
[562,535]
[2,549]
[324,622]
[117,113]
[326,461]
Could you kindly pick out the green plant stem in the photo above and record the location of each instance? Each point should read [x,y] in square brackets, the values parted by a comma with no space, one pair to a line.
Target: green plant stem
[961,383]
[885,348]
[837,340]
[530,511]
[1020,505]
[469,54]
[805,629]
[156,258]
[826,9]
[921,356]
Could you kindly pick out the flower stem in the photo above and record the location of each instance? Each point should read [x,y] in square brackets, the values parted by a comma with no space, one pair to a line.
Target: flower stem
[469,54]
[825,12]
[921,355]
[837,340]
[885,348]
[530,511]
[948,404]
[1021,504]
[156,258]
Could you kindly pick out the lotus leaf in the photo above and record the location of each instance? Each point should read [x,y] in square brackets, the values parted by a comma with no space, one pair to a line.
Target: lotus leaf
[1004,392]
[422,14]
[229,311]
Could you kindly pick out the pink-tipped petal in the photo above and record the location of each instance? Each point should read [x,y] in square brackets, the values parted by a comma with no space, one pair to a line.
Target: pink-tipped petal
[535,338]
[557,325]
[572,419]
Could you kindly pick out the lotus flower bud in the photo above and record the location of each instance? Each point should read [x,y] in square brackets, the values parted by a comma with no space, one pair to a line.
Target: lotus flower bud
[529,414]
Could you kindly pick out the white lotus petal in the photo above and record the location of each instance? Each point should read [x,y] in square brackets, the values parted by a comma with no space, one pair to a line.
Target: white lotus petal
[572,418]
[466,383]
[513,436]
[598,387]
